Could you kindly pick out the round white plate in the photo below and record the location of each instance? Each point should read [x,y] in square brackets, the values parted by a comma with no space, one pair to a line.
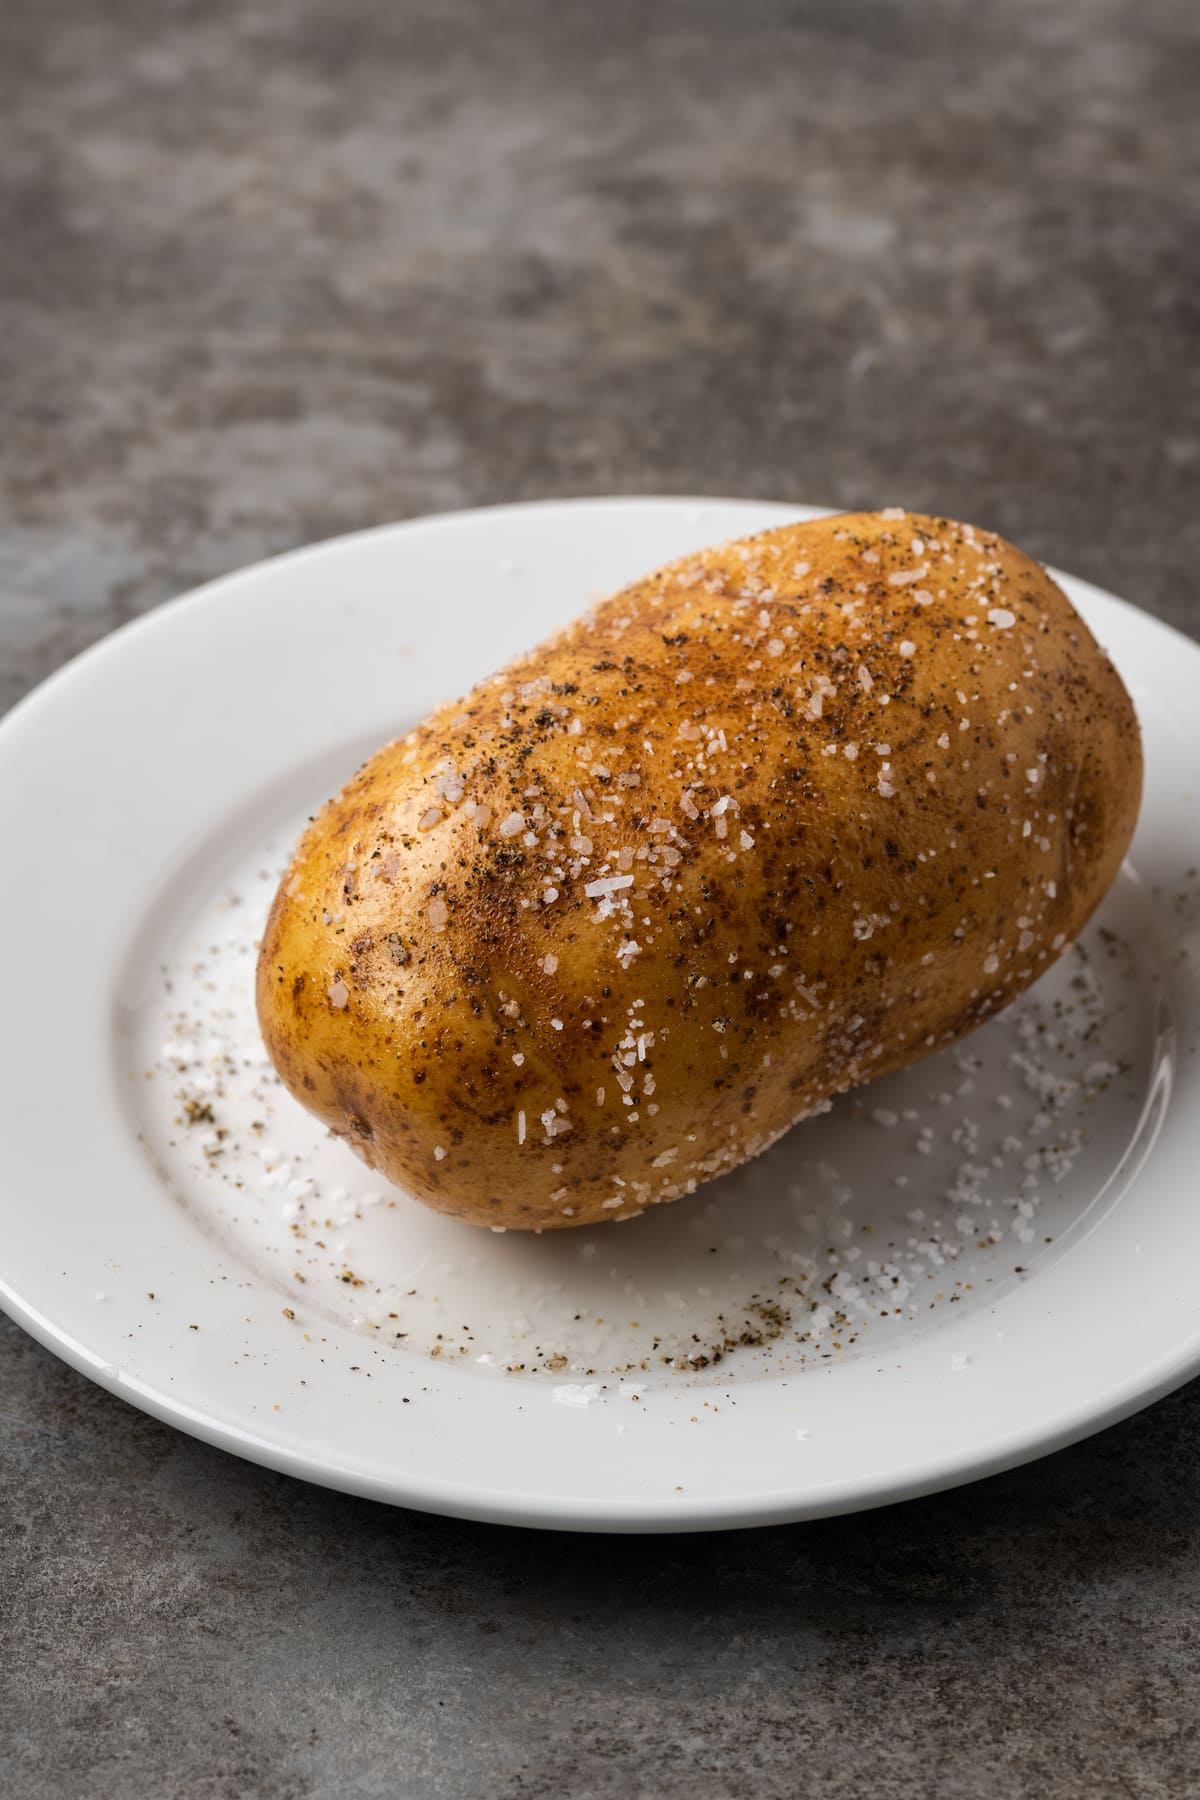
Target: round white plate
[962,1267]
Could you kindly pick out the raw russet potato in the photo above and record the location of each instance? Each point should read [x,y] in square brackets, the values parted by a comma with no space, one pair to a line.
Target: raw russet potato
[785,815]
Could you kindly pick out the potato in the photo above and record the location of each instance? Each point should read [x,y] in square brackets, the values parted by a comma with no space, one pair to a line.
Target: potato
[781,817]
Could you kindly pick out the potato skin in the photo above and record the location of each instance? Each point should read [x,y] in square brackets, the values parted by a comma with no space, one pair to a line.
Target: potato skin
[869,776]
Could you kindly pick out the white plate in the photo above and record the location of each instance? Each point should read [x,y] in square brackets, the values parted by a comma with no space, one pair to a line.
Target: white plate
[1010,1231]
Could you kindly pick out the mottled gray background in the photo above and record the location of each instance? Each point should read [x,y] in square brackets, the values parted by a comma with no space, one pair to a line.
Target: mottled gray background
[272,271]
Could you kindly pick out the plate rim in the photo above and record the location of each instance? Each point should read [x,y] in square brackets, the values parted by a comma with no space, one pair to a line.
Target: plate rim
[644,1516]
[213,589]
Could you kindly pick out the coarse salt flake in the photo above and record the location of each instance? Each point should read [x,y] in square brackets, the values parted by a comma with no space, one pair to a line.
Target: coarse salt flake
[607,884]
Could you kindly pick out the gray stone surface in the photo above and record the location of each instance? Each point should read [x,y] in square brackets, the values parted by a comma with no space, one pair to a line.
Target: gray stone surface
[274,271]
